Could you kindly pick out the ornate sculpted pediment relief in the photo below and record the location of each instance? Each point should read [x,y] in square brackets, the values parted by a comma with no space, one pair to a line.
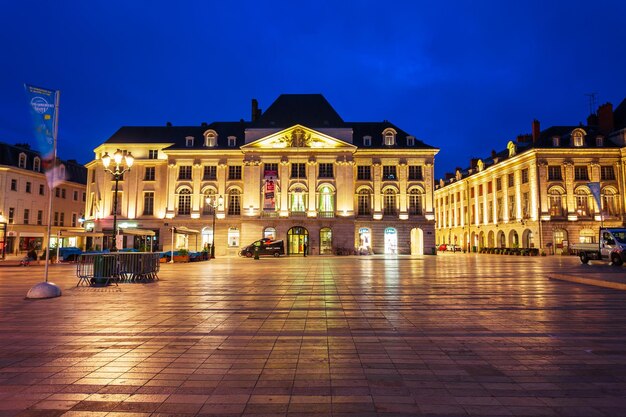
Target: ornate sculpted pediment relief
[298,137]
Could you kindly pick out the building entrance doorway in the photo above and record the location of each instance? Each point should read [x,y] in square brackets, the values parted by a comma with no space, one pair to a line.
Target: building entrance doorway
[297,240]
[391,241]
[326,241]
[417,241]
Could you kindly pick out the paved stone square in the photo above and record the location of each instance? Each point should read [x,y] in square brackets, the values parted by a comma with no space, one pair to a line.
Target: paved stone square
[448,335]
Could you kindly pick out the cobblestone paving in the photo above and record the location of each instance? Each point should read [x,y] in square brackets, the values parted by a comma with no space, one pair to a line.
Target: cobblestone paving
[451,335]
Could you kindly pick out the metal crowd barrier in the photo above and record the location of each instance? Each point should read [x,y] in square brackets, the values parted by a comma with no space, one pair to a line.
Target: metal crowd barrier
[106,268]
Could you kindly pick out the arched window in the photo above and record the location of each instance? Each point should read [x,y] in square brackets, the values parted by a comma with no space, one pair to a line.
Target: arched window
[326,204]
[587,236]
[582,202]
[364,203]
[577,137]
[415,202]
[234,202]
[184,202]
[389,136]
[297,200]
[390,202]
[21,163]
[210,138]
[206,207]
[556,201]
[270,233]
[609,202]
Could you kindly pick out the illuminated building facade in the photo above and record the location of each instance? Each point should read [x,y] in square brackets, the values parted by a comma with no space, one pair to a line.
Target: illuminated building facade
[24,195]
[536,193]
[296,172]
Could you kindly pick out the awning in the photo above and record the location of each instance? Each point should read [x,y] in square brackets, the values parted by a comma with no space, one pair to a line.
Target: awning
[69,233]
[186,231]
[138,232]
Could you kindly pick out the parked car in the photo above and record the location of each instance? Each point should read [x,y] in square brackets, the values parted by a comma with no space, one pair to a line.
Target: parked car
[442,247]
[264,246]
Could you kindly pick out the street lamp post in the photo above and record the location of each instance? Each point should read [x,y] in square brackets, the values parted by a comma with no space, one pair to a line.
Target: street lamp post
[117,173]
[214,202]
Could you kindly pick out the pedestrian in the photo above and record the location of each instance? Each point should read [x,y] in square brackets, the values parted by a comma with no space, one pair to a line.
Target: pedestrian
[305,247]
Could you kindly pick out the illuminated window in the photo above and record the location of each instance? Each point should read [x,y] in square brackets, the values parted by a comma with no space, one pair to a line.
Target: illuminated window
[582,202]
[577,138]
[184,172]
[607,173]
[326,201]
[364,203]
[587,236]
[364,172]
[210,173]
[148,203]
[556,201]
[554,173]
[234,172]
[210,138]
[389,136]
[184,202]
[390,207]
[415,202]
[234,203]
[297,200]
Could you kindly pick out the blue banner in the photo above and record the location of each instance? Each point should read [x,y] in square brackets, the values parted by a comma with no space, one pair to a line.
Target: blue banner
[594,187]
[43,106]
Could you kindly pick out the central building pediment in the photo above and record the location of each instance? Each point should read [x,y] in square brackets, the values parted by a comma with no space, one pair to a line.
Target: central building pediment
[298,136]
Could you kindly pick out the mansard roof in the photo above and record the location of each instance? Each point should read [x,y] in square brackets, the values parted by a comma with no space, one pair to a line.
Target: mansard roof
[310,110]
[10,154]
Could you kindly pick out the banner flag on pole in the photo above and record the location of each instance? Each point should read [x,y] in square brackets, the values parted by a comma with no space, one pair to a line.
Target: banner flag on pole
[44,107]
[594,187]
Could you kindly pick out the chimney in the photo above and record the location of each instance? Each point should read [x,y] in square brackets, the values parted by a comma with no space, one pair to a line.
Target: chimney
[168,124]
[536,130]
[605,118]
[493,154]
[256,112]
[592,120]
[473,162]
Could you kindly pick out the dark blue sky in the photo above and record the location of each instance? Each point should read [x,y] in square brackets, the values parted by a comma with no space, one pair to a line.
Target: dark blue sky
[463,76]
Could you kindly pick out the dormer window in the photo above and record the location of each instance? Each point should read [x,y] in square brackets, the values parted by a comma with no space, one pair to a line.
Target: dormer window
[189,141]
[210,138]
[556,141]
[232,141]
[21,163]
[367,141]
[37,164]
[512,148]
[599,141]
[410,141]
[389,137]
[578,138]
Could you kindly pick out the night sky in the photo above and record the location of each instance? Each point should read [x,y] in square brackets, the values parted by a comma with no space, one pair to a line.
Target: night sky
[463,76]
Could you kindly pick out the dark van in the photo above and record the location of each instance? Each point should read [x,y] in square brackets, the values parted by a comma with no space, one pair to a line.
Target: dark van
[266,247]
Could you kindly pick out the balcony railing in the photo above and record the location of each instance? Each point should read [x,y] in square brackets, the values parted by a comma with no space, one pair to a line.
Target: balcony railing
[325,214]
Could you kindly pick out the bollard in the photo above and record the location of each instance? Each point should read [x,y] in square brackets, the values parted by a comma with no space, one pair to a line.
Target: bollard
[256,252]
